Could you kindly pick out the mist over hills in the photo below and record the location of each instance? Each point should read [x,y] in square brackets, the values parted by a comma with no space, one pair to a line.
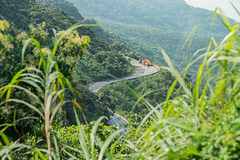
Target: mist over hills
[174,15]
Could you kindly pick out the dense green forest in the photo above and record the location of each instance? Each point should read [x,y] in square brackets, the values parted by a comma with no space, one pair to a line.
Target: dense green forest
[49,55]
[156,13]
[30,13]
[117,96]
[65,6]
[147,24]
[27,22]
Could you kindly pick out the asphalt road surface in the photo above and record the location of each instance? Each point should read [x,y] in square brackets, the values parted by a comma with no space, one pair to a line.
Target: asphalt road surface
[140,71]
[118,122]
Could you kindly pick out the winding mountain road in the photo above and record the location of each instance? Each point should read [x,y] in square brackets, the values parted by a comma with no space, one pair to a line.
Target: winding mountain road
[140,71]
[117,121]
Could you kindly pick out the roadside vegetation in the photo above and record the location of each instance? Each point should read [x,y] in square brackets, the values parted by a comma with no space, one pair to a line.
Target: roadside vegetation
[201,122]
[120,99]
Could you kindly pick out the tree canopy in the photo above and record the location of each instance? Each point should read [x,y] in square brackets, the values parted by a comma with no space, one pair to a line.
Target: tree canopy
[145,25]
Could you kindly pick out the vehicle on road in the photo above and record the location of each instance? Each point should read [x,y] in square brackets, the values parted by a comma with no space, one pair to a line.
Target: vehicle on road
[146,62]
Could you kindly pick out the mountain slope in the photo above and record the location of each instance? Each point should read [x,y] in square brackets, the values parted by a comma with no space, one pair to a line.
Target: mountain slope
[65,6]
[25,12]
[171,14]
[147,24]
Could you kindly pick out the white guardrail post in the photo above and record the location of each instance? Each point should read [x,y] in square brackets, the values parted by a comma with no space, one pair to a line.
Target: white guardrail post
[122,119]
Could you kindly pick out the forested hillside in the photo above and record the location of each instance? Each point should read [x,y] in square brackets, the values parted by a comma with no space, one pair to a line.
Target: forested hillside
[27,22]
[147,24]
[48,58]
[174,15]
[119,98]
[30,12]
[65,6]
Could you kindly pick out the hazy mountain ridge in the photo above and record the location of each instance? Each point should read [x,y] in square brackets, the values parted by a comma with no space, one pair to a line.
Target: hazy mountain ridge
[169,13]
[147,24]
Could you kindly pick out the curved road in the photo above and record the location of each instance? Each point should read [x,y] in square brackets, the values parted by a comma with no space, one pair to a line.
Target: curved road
[140,71]
[118,122]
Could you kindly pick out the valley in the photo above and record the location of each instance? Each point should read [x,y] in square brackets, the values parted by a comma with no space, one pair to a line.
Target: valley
[129,79]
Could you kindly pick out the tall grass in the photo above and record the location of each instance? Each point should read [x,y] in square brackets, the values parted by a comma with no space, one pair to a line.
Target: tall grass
[203,123]
[49,83]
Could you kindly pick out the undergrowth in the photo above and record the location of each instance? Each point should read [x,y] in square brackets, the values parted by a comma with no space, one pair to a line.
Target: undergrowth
[202,123]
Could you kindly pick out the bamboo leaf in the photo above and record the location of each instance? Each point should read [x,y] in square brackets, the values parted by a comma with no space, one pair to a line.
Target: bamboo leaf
[34,76]
[56,148]
[28,92]
[13,81]
[220,86]
[27,104]
[107,143]
[25,47]
[186,128]
[60,39]
[56,109]
[37,71]
[175,73]
[38,152]
[10,148]
[93,132]
[107,154]
[82,138]
[5,139]
[80,108]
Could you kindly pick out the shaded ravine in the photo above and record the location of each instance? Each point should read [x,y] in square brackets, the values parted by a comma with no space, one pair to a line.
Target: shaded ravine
[140,71]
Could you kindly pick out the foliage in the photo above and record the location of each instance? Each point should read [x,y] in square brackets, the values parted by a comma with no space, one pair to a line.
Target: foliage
[5,40]
[30,12]
[49,83]
[94,109]
[65,6]
[34,13]
[72,48]
[95,140]
[20,15]
[5,45]
[147,24]
[27,15]
[201,122]
[117,96]
[104,65]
